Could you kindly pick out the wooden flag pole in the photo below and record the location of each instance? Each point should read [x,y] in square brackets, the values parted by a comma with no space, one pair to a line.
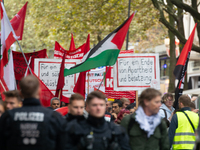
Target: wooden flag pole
[136,99]
[88,82]
[59,93]
[103,78]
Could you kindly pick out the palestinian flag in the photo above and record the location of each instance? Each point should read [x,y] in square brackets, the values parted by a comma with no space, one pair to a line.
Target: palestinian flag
[105,53]
[181,67]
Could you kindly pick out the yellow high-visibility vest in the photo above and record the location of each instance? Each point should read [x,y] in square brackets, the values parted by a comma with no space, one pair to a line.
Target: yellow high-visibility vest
[184,136]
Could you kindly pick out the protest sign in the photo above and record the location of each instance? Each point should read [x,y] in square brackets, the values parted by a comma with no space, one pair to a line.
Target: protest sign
[95,78]
[48,71]
[136,72]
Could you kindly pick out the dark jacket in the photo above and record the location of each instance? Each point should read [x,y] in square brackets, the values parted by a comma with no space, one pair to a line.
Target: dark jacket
[138,137]
[69,117]
[103,135]
[32,127]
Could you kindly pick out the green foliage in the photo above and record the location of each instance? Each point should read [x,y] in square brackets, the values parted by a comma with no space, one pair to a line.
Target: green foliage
[48,21]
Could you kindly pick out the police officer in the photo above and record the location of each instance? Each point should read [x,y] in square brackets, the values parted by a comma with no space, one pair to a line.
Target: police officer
[95,133]
[76,107]
[31,127]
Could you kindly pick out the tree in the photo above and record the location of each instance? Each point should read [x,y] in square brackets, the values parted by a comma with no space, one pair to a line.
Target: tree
[53,20]
[175,10]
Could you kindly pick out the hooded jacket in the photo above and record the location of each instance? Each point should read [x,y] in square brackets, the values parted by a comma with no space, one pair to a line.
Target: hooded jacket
[168,111]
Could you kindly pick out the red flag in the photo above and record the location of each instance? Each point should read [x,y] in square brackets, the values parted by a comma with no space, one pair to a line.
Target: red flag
[45,94]
[61,79]
[18,22]
[72,44]
[80,84]
[63,110]
[20,65]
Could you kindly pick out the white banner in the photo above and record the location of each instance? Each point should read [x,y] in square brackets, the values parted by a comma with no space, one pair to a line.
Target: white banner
[136,72]
[48,71]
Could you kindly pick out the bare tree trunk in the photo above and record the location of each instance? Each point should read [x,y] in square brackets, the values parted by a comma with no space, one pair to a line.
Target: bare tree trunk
[172,52]
[181,30]
[194,5]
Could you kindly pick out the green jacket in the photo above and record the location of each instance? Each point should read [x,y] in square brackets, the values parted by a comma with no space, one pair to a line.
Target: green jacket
[138,138]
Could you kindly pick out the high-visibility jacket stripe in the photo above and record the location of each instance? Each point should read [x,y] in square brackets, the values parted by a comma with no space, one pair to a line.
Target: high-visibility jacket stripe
[184,142]
[184,133]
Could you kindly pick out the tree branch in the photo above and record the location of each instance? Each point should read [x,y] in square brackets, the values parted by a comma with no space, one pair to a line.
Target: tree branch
[170,13]
[179,36]
[187,8]
[171,28]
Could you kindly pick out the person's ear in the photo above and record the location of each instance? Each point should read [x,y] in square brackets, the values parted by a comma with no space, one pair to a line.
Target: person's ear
[146,102]
[20,104]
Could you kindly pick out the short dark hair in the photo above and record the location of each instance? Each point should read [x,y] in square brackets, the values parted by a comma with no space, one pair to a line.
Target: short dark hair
[192,105]
[95,94]
[13,93]
[3,104]
[76,96]
[185,100]
[118,102]
[29,86]
[148,94]
[131,106]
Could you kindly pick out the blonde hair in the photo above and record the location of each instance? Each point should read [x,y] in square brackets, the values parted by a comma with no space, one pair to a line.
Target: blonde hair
[165,97]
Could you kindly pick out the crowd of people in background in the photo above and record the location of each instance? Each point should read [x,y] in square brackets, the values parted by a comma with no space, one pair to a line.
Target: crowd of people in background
[95,123]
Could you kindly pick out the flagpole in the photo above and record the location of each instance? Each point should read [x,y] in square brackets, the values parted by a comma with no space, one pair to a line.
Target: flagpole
[127,37]
[103,78]
[88,88]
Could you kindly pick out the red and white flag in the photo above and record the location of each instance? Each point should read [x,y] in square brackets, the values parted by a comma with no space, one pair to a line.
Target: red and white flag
[6,60]
[10,30]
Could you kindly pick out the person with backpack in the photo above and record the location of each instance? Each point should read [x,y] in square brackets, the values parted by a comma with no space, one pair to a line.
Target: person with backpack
[146,129]
[166,109]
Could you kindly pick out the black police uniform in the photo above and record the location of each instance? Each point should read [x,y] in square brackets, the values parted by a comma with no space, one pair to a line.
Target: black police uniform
[96,134]
[32,127]
[69,117]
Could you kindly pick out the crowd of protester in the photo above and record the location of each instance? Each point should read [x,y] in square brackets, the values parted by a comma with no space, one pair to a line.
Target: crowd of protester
[95,123]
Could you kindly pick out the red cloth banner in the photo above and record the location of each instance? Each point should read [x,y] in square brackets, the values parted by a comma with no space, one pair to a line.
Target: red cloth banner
[20,65]
[75,54]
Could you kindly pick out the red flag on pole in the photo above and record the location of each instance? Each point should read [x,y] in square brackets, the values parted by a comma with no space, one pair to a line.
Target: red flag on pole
[18,22]
[72,44]
[61,79]
[80,84]
[181,66]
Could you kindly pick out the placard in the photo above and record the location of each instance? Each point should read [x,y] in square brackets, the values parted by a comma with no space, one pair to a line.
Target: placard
[48,71]
[95,79]
[136,72]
